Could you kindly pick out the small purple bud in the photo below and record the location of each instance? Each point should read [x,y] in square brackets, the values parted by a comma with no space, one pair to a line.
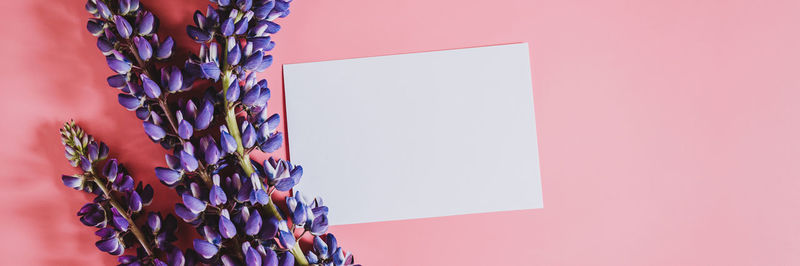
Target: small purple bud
[110,170]
[165,49]
[123,27]
[143,47]
[217,196]
[248,135]
[233,91]
[188,162]
[338,257]
[135,202]
[154,222]
[320,247]
[95,26]
[151,88]
[72,181]
[155,132]
[227,142]
[271,259]
[210,70]
[253,61]
[184,212]
[194,204]
[104,45]
[286,239]
[273,122]
[108,245]
[117,81]
[86,165]
[205,249]
[175,79]
[234,55]
[168,176]
[251,96]
[117,65]
[212,154]
[266,61]
[124,6]
[252,257]
[253,223]
[226,227]
[204,117]
[198,35]
[273,143]
[146,24]
[185,129]
[227,27]
[105,12]
[273,27]
[320,225]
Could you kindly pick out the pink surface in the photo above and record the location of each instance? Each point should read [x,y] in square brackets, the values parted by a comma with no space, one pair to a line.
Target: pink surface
[669,132]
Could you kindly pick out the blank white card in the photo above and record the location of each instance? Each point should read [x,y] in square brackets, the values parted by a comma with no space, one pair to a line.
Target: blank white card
[416,135]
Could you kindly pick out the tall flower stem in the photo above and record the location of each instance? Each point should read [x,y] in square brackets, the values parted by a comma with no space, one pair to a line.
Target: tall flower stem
[131,225]
[244,160]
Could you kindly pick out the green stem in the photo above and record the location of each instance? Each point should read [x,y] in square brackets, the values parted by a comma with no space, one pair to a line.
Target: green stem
[132,226]
[244,161]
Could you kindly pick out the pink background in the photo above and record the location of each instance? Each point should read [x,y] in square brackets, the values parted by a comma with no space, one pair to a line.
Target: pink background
[669,132]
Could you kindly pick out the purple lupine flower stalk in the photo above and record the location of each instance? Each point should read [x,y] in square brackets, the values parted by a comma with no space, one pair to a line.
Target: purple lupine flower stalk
[118,204]
[225,195]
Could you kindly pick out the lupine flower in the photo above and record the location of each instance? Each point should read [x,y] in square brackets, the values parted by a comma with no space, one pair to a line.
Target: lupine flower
[224,194]
[117,201]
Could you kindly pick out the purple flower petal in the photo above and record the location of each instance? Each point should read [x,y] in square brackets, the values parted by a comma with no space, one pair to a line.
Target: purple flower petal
[123,27]
[253,224]
[72,181]
[273,143]
[248,135]
[194,204]
[165,49]
[155,132]
[143,47]
[273,122]
[217,196]
[117,65]
[135,202]
[253,61]
[198,35]
[320,247]
[286,239]
[108,245]
[185,129]
[227,142]
[154,222]
[204,117]
[210,70]
[212,154]
[95,26]
[146,24]
[234,55]
[188,162]
[226,227]
[175,79]
[252,258]
[168,176]
[117,81]
[227,27]
[151,88]
[233,91]
[320,225]
[205,249]
[184,212]
[110,170]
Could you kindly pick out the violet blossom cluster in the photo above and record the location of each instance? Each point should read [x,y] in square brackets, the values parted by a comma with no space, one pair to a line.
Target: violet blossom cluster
[118,204]
[225,195]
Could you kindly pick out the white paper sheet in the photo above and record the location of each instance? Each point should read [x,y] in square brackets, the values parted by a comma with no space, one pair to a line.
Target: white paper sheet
[416,135]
